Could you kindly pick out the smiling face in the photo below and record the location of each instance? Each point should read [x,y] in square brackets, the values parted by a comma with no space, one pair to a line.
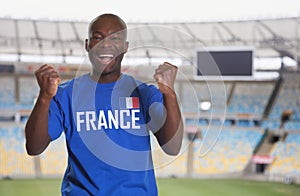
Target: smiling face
[106,46]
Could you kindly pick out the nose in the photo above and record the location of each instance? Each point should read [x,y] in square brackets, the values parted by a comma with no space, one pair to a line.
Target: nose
[106,42]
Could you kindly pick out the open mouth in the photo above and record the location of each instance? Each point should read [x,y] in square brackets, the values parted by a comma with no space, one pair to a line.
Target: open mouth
[105,58]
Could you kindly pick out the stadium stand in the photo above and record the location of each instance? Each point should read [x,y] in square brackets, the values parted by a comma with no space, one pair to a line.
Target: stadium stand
[223,156]
[248,113]
[288,98]
[168,166]
[215,92]
[14,162]
[250,98]
[7,92]
[287,158]
[54,159]
[28,90]
[240,129]
[270,124]
[292,126]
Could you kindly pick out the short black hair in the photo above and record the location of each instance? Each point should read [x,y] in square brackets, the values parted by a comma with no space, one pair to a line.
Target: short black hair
[107,15]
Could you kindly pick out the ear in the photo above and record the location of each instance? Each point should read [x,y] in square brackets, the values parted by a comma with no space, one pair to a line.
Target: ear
[87,45]
[126,46]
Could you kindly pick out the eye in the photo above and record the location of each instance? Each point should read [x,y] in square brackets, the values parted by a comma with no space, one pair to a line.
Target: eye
[115,38]
[97,38]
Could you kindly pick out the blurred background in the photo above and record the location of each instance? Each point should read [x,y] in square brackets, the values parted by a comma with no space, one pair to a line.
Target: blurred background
[238,82]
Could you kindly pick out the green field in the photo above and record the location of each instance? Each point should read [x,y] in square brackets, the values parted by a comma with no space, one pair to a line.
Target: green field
[167,187]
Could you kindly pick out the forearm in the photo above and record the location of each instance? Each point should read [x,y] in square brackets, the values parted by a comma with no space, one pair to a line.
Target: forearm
[36,129]
[170,134]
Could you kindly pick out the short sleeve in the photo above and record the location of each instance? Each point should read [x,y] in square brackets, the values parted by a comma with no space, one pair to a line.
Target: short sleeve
[55,120]
[156,110]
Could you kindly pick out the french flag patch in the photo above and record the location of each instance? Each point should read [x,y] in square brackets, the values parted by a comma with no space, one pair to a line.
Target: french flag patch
[129,102]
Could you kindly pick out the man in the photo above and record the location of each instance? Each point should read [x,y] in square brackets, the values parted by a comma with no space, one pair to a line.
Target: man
[106,117]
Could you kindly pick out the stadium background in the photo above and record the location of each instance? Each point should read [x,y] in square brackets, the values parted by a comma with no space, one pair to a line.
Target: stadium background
[252,126]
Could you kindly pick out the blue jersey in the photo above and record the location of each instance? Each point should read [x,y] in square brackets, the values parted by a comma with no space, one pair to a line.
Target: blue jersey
[107,135]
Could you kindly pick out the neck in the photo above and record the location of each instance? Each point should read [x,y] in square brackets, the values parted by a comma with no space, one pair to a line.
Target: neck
[106,78]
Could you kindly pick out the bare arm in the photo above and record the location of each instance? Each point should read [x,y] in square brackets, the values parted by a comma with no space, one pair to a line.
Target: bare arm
[36,129]
[170,135]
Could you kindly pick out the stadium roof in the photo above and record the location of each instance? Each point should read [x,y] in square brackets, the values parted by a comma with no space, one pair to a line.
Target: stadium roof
[270,37]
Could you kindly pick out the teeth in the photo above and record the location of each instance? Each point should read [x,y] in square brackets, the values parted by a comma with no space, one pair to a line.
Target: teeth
[106,56]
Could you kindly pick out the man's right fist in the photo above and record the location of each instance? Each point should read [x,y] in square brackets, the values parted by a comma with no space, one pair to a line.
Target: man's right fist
[48,80]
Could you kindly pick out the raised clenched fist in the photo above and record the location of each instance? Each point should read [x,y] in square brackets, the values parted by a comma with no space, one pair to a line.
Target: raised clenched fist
[165,76]
[48,80]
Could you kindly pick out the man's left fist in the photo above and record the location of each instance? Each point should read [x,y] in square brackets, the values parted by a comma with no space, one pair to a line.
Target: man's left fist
[165,76]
